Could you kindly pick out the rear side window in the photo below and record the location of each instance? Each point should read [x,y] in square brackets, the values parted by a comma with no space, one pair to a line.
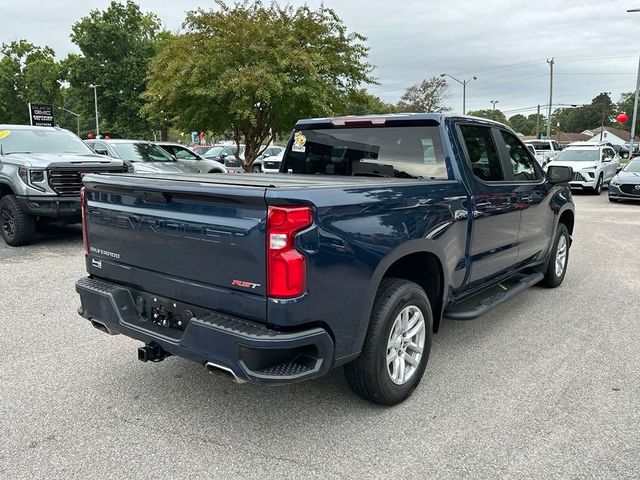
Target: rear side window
[482,151]
[400,152]
[519,159]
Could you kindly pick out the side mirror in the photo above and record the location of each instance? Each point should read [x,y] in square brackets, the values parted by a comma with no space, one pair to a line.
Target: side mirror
[557,174]
[620,167]
[606,159]
[223,155]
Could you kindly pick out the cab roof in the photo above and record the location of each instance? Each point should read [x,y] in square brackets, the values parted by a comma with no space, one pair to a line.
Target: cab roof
[403,119]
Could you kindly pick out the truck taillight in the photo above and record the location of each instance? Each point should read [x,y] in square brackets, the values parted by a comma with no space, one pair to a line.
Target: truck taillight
[286,267]
[83,208]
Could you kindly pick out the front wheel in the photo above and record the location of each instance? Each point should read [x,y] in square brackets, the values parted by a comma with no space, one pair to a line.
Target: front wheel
[559,258]
[397,345]
[597,190]
[16,226]
[256,169]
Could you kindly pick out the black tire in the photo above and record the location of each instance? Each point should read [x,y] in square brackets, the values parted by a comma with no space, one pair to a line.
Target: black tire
[16,226]
[256,169]
[551,277]
[597,190]
[368,375]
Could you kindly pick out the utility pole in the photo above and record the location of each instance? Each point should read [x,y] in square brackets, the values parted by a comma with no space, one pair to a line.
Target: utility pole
[493,102]
[550,62]
[538,123]
[77,115]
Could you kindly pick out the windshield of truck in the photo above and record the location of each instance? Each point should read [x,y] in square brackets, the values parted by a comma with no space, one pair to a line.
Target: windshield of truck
[401,152]
[141,152]
[579,155]
[42,141]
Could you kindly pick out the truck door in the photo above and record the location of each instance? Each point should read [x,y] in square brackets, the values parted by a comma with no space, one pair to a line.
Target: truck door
[495,206]
[528,182]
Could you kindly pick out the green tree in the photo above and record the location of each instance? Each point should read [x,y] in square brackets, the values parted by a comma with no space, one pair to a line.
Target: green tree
[626,105]
[255,69]
[586,117]
[116,45]
[426,96]
[28,73]
[361,102]
[489,113]
[522,124]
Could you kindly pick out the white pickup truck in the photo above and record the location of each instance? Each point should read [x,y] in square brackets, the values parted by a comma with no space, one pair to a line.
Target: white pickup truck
[546,150]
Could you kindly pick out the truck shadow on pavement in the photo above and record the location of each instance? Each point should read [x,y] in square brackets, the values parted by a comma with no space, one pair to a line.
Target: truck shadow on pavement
[51,233]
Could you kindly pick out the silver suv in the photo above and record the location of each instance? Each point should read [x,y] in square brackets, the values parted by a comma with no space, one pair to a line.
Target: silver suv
[40,177]
[594,164]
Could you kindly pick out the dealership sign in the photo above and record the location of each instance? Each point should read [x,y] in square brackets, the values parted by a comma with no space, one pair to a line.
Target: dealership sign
[41,115]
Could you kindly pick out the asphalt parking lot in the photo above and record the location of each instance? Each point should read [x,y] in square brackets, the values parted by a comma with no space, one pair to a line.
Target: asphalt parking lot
[545,386]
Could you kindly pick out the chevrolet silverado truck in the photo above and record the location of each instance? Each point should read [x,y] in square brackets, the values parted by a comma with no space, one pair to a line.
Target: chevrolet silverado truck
[375,229]
[40,178]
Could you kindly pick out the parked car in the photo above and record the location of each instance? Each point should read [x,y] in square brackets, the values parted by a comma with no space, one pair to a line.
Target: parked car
[185,154]
[277,279]
[594,164]
[273,156]
[227,155]
[40,170]
[140,156]
[626,184]
[546,150]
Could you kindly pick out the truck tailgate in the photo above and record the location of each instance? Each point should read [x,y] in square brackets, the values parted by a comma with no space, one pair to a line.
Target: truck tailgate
[195,242]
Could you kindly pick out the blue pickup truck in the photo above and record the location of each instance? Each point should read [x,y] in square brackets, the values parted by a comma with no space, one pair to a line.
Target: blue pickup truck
[375,229]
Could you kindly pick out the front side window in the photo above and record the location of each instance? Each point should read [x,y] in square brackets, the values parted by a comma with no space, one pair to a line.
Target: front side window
[483,154]
[412,152]
[521,162]
[184,154]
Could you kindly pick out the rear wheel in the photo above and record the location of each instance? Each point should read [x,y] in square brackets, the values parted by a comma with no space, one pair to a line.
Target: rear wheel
[397,346]
[16,226]
[559,258]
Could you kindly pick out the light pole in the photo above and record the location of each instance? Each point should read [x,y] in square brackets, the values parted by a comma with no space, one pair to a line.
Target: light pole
[77,115]
[95,100]
[464,89]
[635,102]
[493,102]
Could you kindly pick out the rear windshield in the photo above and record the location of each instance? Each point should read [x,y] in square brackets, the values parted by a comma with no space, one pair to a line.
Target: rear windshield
[401,152]
[141,152]
[42,141]
[540,145]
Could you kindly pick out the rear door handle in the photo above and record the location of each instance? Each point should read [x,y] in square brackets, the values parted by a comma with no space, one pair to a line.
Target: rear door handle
[483,204]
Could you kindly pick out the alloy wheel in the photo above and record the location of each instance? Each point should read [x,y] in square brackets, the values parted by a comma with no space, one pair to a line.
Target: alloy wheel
[405,345]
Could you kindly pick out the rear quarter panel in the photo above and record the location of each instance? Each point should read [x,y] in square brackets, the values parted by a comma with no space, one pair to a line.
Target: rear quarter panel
[357,234]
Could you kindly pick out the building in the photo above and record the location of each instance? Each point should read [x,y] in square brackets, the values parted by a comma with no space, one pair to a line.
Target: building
[611,135]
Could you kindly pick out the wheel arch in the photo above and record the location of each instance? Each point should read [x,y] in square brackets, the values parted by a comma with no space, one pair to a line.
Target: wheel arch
[397,263]
[5,189]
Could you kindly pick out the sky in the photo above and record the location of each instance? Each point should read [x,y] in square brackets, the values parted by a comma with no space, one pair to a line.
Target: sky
[504,43]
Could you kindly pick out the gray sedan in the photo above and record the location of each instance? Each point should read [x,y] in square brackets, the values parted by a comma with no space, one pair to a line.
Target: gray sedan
[185,154]
[626,184]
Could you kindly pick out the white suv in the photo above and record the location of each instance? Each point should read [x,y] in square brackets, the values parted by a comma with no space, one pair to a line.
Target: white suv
[594,164]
